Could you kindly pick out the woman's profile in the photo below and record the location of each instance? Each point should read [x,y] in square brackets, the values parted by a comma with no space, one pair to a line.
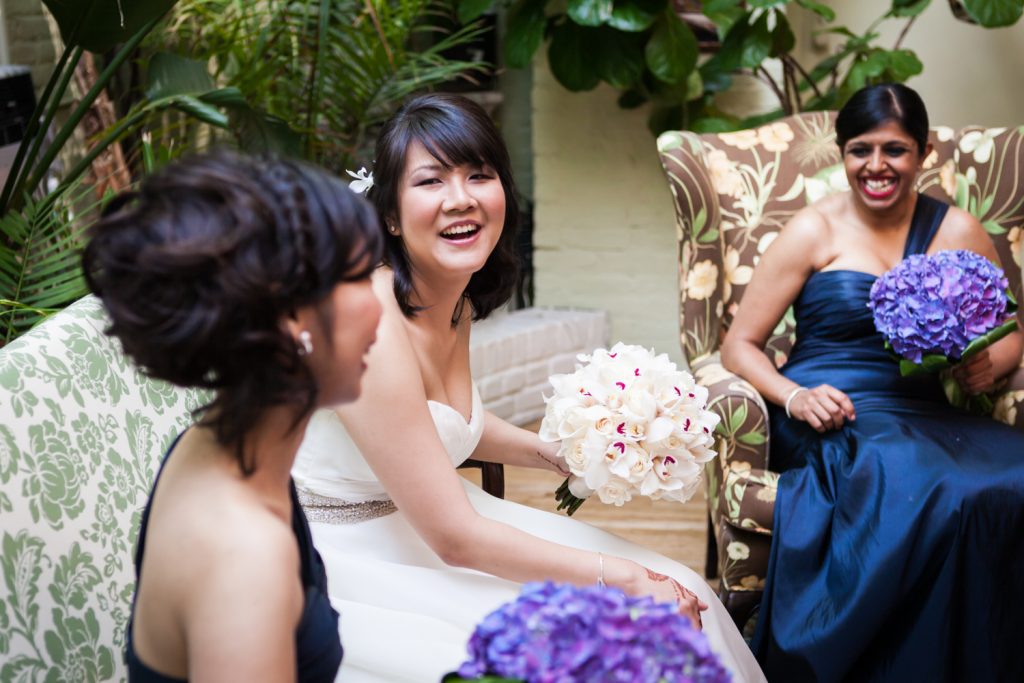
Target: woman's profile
[250,278]
[416,555]
[895,551]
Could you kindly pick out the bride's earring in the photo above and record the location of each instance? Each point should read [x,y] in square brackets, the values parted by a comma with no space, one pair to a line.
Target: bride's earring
[393,229]
[305,343]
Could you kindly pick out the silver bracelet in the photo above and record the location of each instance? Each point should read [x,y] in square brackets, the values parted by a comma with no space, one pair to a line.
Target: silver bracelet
[600,574]
[792,395]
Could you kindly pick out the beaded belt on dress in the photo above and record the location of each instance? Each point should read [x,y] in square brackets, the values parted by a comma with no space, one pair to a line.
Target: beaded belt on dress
[336,511]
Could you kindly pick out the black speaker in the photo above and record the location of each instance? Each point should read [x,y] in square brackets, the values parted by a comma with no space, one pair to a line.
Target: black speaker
[17,102]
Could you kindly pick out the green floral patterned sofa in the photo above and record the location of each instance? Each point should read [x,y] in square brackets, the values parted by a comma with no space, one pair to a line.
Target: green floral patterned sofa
[81,436]
[733,192]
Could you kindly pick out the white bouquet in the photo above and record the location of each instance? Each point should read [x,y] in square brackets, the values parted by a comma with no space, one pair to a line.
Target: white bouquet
[629,422]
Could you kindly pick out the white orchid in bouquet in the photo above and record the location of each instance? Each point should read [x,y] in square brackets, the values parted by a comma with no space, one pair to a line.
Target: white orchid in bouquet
[630,422]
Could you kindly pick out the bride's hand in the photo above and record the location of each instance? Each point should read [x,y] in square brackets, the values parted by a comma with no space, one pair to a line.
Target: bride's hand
[666,589]
[547,455]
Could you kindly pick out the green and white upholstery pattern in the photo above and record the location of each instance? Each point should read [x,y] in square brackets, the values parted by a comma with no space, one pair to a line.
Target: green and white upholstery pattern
[81,437]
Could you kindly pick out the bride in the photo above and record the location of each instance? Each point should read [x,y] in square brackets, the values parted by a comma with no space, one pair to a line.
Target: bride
[416,556]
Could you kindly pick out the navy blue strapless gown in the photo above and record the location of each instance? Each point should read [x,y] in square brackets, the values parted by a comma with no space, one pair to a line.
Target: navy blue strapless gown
[898,547]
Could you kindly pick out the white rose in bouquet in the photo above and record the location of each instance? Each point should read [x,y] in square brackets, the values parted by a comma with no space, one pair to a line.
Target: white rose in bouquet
[629,423]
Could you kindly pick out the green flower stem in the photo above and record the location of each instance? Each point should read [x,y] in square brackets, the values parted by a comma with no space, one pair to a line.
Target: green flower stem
[567,501]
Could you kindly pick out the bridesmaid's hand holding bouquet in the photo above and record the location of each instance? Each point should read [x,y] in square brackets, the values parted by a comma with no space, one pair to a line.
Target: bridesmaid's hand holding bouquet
[937,312]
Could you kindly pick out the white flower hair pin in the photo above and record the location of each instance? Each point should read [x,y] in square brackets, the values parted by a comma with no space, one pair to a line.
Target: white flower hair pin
[363,180]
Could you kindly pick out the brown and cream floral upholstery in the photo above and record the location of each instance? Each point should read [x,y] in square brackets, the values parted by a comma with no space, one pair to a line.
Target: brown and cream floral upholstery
[733,192]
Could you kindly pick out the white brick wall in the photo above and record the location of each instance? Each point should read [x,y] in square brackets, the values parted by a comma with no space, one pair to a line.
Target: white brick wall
[605,230]
[513,354]
[30,40]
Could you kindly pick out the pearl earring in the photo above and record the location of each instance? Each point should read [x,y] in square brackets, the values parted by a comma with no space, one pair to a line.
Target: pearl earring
[305,343]
[393,229]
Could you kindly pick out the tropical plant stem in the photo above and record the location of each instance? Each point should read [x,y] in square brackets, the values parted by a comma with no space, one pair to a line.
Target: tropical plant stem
[83,107]
[380,32]
[316,75]
[803,72]
[97,149]
[767,78]
[903,33]
[49,102]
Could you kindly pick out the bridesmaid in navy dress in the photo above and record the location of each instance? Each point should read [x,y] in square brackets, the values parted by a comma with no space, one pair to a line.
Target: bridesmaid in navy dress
[897,551]
[251,278]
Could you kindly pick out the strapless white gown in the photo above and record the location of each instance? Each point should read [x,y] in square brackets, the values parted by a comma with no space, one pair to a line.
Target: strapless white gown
[405,614]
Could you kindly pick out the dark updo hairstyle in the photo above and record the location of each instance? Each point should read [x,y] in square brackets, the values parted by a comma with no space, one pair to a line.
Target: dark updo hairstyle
[198,268]
[456,131]
[874,105]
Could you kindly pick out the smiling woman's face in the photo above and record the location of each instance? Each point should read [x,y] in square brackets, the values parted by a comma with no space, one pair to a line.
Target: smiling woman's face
[451,218]
[882,165]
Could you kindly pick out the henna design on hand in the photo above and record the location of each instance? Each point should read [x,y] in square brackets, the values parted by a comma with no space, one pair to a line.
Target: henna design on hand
[559,467]
[681,593]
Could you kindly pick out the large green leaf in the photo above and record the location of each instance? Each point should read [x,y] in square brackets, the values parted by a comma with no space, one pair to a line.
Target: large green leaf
[98,25]
[590,12]
[730,54]
[170,75]
[758,45]
[635,15]
[909,8]
[783,39]
[620,57]
[570,56]
[671,53]
[994,12]
[823,11]
[724,13]
[525,32]
[472,9]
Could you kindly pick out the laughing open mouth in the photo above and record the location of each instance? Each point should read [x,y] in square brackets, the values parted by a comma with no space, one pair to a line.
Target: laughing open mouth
[460,232]
[878,188]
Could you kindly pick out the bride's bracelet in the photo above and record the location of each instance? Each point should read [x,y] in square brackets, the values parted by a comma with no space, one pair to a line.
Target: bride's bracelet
[600,570]
[792,395]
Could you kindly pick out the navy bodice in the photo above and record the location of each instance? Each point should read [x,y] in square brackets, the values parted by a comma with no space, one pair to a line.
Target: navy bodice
[318,648]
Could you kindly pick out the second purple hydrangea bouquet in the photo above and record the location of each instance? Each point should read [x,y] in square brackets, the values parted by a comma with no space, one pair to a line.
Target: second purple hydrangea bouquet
[561,633]
[936,311]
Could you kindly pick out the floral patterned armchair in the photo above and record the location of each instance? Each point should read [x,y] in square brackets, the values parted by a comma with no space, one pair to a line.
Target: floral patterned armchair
[733,192]
[81,437]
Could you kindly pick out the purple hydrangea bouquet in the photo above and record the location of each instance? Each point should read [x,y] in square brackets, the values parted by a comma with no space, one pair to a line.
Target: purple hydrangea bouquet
[562,633]
[936,311]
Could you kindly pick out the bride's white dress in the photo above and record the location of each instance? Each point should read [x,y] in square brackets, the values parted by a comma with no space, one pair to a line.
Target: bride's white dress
[405,614]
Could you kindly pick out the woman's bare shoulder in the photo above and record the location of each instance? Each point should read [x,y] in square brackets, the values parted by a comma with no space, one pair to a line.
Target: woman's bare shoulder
[960,226]
[807,235]
[812,220]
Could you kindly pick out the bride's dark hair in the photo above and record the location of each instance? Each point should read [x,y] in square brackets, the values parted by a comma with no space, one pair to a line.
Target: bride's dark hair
[456,131]
[874,105]
[198,269]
